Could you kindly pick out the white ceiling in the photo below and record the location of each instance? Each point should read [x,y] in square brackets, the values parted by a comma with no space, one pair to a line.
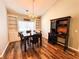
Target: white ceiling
[20,6]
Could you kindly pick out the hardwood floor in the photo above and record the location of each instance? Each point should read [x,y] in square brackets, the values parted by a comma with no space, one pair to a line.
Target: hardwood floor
[47,51]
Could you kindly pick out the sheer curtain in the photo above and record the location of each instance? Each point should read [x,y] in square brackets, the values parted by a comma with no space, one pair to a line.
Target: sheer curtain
[26,25]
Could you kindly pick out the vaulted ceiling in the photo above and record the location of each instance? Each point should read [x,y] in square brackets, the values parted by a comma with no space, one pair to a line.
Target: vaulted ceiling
[20,6]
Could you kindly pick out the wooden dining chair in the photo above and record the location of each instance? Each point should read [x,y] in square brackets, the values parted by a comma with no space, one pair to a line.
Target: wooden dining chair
[35,40]
[28,38]
[22,41]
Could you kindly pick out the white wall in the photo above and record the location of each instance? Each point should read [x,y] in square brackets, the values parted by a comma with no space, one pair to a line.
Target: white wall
[64,8]
[3,28]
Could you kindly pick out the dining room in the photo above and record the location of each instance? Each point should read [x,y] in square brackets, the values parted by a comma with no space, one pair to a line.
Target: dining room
[39,29]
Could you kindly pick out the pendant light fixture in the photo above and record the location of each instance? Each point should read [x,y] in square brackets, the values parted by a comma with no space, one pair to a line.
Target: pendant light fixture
[32,15]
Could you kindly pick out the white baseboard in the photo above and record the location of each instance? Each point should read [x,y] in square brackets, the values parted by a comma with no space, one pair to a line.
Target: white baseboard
[68,47]
[4,50]
[71,48]
[74,49]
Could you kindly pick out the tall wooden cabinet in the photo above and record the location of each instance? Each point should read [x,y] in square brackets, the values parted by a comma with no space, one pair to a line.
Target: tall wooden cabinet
[60,29]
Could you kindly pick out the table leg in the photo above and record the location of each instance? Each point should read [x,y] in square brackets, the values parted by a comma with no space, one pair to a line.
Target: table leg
[40,39]
[25,45]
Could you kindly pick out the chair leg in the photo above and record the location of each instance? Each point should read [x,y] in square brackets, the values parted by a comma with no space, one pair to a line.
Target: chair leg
[25,46]
[37,44]
[21,45]
[33,46]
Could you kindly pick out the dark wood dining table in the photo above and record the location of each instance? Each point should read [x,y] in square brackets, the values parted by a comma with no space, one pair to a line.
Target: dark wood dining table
[39,34]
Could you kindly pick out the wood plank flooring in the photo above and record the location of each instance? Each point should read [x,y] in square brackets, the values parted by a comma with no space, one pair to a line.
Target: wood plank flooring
[47,51]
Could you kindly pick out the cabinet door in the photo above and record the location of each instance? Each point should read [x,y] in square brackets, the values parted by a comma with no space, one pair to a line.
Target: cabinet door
[52,38]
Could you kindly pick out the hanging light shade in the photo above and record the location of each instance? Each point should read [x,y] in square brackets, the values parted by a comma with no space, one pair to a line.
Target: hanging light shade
[32,15]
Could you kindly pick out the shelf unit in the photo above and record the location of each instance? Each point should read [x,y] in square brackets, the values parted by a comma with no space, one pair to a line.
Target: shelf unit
[60,27]
[12,23]
[12,29]
[38,24]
